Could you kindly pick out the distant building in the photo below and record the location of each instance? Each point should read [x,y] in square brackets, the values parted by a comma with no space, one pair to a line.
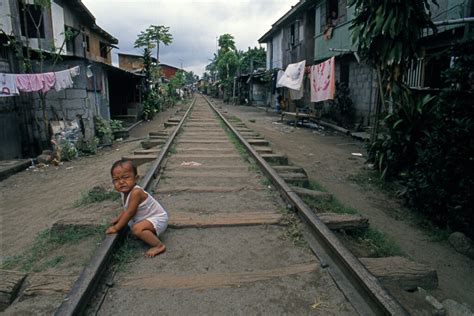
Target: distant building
[317,30]
[168,71]
[99,91]
[133,63]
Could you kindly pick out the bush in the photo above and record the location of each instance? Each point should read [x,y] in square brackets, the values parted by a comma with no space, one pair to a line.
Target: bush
[429,147]
[342,108]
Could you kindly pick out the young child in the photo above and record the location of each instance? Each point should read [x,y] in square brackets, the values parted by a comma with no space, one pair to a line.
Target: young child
[145,216]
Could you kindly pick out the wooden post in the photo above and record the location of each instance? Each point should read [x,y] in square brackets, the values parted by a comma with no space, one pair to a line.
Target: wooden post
[374,134]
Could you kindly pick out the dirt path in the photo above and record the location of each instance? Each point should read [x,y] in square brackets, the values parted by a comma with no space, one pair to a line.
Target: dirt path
[327,158]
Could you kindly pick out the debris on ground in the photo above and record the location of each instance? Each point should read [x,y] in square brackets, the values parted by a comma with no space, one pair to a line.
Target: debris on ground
[190,164]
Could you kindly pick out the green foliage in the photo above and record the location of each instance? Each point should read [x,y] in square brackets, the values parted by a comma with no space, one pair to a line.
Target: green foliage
[103,129]
[226,43]
[429,147]
[95,195]
[380,244]
[116,125]
[68,151]
[190,77]
[252,59]
[87,147]
[178,81]
[41,254]
[342,108]
[397,150]
[152,37]
[387,32]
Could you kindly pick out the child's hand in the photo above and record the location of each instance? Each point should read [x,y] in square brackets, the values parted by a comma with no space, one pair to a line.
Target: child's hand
[114,220]
[111,230]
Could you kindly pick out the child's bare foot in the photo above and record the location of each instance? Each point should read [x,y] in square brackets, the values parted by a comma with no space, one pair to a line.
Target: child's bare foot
[153,251]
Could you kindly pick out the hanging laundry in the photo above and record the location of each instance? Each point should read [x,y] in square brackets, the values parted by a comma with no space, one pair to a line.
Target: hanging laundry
[323,84]
[279,75]
[8,86]
[63,80]
[293,76]
[297,94]
[75,71]
[49,79]
[35,82]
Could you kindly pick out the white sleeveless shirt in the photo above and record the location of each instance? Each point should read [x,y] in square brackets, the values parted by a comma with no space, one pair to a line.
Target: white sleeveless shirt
[149,209]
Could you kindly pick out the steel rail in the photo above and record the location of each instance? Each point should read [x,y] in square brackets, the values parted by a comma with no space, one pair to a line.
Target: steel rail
[83,288]
[359,286]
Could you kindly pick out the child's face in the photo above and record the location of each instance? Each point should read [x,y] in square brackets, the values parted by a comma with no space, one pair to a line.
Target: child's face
[123,178]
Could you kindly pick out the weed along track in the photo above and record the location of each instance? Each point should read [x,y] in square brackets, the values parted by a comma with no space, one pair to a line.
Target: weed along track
[233,244]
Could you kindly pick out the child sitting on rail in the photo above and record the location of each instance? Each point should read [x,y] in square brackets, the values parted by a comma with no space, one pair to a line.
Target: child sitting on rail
[145,216]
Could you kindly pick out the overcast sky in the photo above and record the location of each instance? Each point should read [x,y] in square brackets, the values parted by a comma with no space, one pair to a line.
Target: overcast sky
[194,24]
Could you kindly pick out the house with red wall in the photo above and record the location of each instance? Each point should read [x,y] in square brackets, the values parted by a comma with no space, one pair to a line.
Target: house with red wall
[168,71]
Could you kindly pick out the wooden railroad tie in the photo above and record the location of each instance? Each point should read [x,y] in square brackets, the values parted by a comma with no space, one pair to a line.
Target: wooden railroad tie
[276,159]
[188,220]
[302,192]
[402,272]
[213,280]
[140,159]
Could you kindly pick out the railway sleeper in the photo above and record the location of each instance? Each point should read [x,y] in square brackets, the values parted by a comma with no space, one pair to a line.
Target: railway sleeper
[152,151]
[159,133]
[303,192]
[297,179]
[170,124]
[258,142]
[343,221]
[192,220]
[147,144]
[140,159]
[275,159]
[263,149]
[402,272]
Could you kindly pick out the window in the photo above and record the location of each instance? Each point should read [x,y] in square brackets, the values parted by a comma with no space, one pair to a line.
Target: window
[332,10]
[104,50]
[88,47]
[71,34]
[31,20]
[294,33]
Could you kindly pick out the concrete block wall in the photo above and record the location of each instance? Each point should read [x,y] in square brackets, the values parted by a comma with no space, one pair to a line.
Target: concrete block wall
[363,89]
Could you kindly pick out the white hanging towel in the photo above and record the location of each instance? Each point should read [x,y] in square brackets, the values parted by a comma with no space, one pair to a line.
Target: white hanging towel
[8,86]
[293,76]
[75,71]
[323,83]
[296,94]
[279,75]
[63,80]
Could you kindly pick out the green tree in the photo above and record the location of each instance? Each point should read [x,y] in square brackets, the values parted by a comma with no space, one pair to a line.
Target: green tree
[190,77]
[149,39]
[387,34]
[226,43]
[153,36]
[226,63]
[252,59]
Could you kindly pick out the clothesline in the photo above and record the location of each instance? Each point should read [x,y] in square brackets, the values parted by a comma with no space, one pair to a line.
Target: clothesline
[12,84]
[322,80]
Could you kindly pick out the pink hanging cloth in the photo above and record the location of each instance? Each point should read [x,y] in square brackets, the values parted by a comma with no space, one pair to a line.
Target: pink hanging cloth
[49,79]
[35,82]
[323,83]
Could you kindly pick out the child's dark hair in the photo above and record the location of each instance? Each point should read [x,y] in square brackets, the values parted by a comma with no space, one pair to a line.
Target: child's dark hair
[122,162]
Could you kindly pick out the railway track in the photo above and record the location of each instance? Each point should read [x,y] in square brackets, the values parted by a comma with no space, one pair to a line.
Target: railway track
[234,245]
